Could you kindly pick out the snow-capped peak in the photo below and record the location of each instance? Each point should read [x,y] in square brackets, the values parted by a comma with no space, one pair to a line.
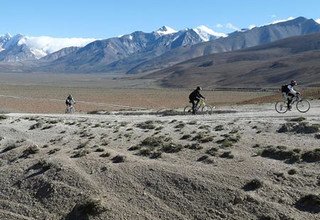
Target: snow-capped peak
[164,30]
[44,45]
[206,33]
[318,20]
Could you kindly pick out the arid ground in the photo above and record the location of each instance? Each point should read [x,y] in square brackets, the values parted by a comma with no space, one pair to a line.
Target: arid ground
[45,93]
[241,162]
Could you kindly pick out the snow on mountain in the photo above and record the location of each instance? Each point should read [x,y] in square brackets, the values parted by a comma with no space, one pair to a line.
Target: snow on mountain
[282,20]
[44,45]
[206,33]
[318,20]
[164,30]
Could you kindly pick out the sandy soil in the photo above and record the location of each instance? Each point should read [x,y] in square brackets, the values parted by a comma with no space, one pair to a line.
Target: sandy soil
[122,166]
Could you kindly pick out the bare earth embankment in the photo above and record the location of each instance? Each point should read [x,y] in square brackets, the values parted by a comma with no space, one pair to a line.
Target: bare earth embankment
[249,164]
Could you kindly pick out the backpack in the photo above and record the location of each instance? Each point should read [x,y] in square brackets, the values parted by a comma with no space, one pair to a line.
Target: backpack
[284,88]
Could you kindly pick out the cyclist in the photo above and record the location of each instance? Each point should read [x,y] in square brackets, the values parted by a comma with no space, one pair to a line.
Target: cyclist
[194,98]
[289,92]
[70,101]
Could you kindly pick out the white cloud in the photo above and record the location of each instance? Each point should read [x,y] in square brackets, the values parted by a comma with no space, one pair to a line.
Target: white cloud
[43,45]
[282,20]
[219,25]
[273,16]
[318,20]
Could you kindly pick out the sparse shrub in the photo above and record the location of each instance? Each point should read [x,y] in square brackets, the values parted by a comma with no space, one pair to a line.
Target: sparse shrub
[206,127]
[205,159]
[155,141]
[36,125]
[180,125]
[186,136]
[144,152]
[99,149]
[105,143]
[225,143]
[118,159]
[292,171]
[234,131]
[81,153]
[105,155]
[280,153]
[296,150]
[212,151]
[300,128]
[85,209]
[194,146]
[203,138]
[31,150]
[82,145]
[228,141]
[256,146]
[171,148]
[9,147]
[173,121]
[309,203]
[219,128]
[155,155]
[3,117]
[54,150]
[311,156]
[159,128]
[317,136]
[192,123]
[146,125]
[253,185]
[45,146]
[135,147]
[227,154]
[299,119]
[47,127]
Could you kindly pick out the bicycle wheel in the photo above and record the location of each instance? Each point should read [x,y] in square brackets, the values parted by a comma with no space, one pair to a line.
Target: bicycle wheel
[187,110]
[281,107]
[207,109]
[303,105]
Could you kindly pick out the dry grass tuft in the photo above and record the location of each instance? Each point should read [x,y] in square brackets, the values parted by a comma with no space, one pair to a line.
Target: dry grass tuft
[118,159]
[253,185]
[309,203]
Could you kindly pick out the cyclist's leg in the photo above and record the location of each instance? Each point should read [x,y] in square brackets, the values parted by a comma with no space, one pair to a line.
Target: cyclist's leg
[193,102]
[289,98]
[196,105]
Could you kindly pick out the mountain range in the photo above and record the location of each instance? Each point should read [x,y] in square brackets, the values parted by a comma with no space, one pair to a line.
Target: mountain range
[141,52]
[264,66]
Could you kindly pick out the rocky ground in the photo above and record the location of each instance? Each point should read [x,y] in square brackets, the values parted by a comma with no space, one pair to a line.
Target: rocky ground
[247,163]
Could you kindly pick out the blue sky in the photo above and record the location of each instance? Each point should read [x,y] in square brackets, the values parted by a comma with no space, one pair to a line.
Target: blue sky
[109,18]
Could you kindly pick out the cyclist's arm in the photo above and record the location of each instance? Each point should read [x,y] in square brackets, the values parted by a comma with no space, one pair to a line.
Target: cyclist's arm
[292,91]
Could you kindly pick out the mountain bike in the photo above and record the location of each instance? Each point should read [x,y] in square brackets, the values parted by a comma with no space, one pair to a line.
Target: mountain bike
[70,109]
[202,107]
[302,105]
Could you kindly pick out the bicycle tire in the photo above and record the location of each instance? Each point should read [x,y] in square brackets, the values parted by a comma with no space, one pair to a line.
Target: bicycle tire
[207,109]
[187,110]
[303,105]
[281,107]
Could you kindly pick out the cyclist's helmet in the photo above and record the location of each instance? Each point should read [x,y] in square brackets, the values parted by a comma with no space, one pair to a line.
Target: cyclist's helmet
[293,83]
[199,88]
